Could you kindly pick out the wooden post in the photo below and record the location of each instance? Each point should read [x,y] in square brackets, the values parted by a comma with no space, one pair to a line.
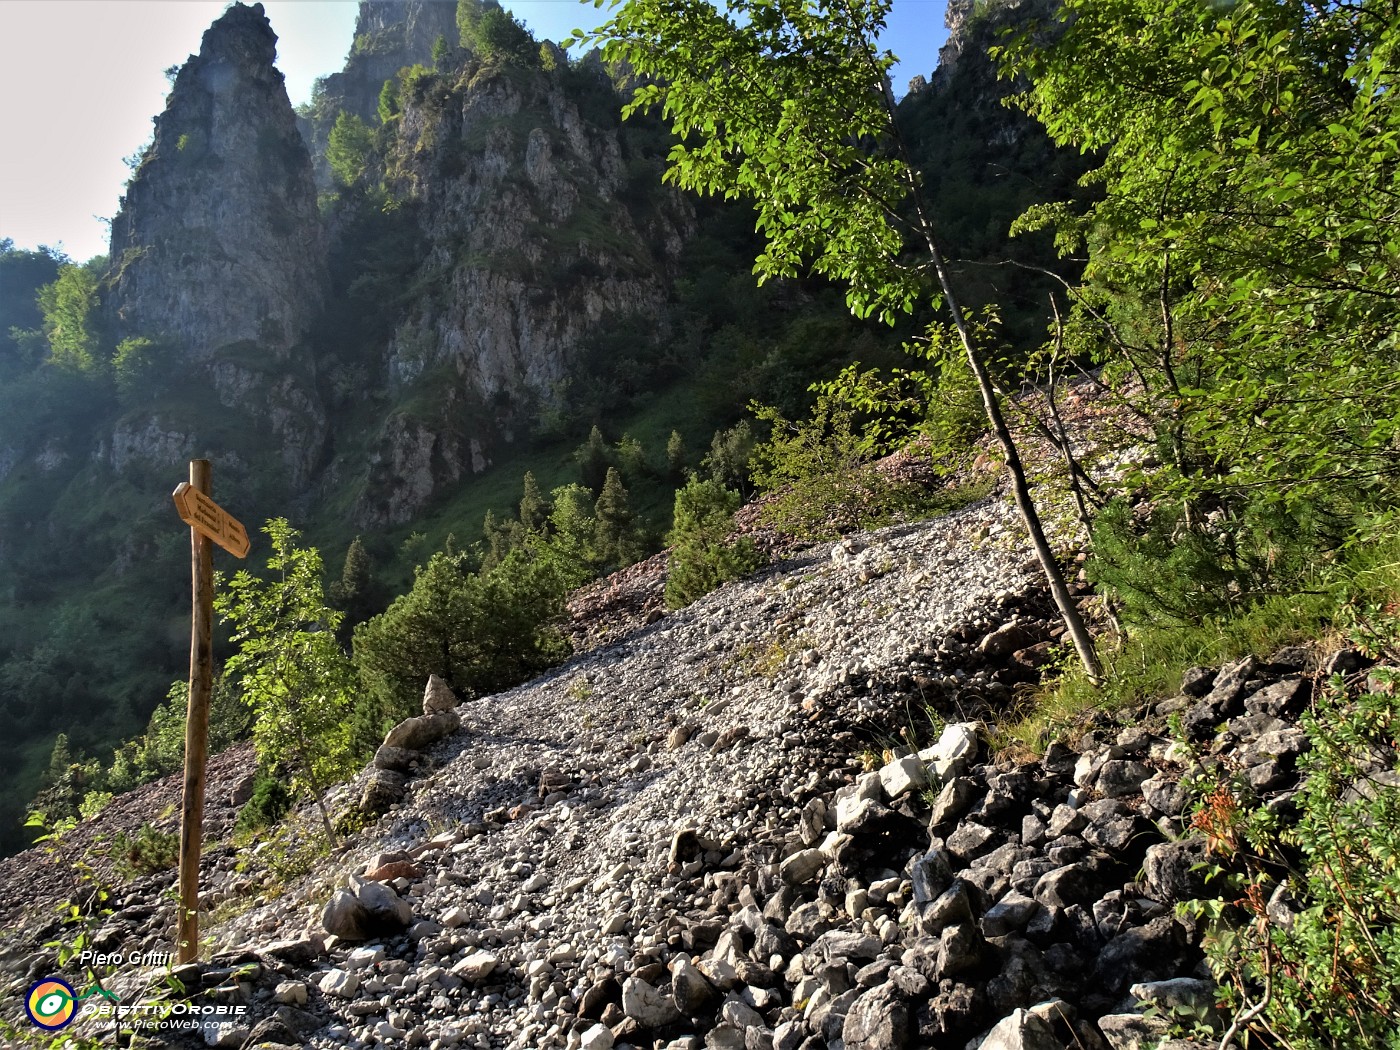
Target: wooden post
[197,722]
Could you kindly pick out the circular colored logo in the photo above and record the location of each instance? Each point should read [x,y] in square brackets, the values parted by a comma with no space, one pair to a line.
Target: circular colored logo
[51,1003]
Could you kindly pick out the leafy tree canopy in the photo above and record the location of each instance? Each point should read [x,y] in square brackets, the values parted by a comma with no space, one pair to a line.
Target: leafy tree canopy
[349,149]
[291,669]
[761,81]
[1245,249]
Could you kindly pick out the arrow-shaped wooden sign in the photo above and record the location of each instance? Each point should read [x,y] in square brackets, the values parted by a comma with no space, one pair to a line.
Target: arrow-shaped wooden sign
[200,512]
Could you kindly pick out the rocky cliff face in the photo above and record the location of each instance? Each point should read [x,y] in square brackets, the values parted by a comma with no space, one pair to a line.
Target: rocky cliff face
[218,240]
[218,251]
[972,23]
[389,35]
[540,227]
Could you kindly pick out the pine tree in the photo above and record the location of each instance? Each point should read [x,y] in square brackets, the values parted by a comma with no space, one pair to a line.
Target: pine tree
[675,454]
[497,539]
[615,536]
[534,510]
[592,460]
[352,592]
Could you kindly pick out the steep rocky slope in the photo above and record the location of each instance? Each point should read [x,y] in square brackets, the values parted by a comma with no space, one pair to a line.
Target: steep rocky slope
[219,261]
[535,240]
[218,240]
[389,35]
[738,827]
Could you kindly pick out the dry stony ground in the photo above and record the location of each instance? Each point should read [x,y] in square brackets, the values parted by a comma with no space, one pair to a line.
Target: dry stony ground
[713,830]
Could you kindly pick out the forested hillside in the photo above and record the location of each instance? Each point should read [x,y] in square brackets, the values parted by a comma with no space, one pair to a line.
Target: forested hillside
[1129,269]
[489,280]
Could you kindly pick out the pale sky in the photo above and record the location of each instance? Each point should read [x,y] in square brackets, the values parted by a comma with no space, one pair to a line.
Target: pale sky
[82,79]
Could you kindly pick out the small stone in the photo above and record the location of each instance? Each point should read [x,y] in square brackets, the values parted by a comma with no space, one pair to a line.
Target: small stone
[1166,795]
[345,917]
[953,754]
[1133,1031]
[387,911]
[903,775]
[1066,885]
[1008,638]
[1009,914]
[1022,1030]
[931,875]
[740,1015]
[867,815]
[970,841]
[476,967]
[954,905]
[1196,682]
[840,945]
[959,949]
[648,1006]
[1118,778]
[803,866]
[953,801]
[692,993]
[383,789]
[598,1037]
[293,993]
[395,759]
[1288,697]
[1344,661]
[339,983]
[397,869]
[1168,870]
[877,1020]
[1178,992]
[414,734]
[243,790]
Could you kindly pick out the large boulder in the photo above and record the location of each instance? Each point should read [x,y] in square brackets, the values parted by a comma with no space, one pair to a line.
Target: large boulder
[365,910]
[414,734]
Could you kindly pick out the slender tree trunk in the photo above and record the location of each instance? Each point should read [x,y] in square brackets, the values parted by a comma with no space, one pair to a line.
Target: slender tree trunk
[1059,590]
[331,836]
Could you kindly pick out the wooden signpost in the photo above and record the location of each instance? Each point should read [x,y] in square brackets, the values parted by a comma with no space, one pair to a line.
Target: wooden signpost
[208,522]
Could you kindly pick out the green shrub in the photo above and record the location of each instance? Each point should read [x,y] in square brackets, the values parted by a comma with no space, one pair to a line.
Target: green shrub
[350,149]
[675,454]
[702,554]
[817,475]
[94,802]
[267,805]
[1168,564]
[160,749]
[1325,976]
[290,668]
[731,452]
[481,632]
[147,851]
[492,32]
